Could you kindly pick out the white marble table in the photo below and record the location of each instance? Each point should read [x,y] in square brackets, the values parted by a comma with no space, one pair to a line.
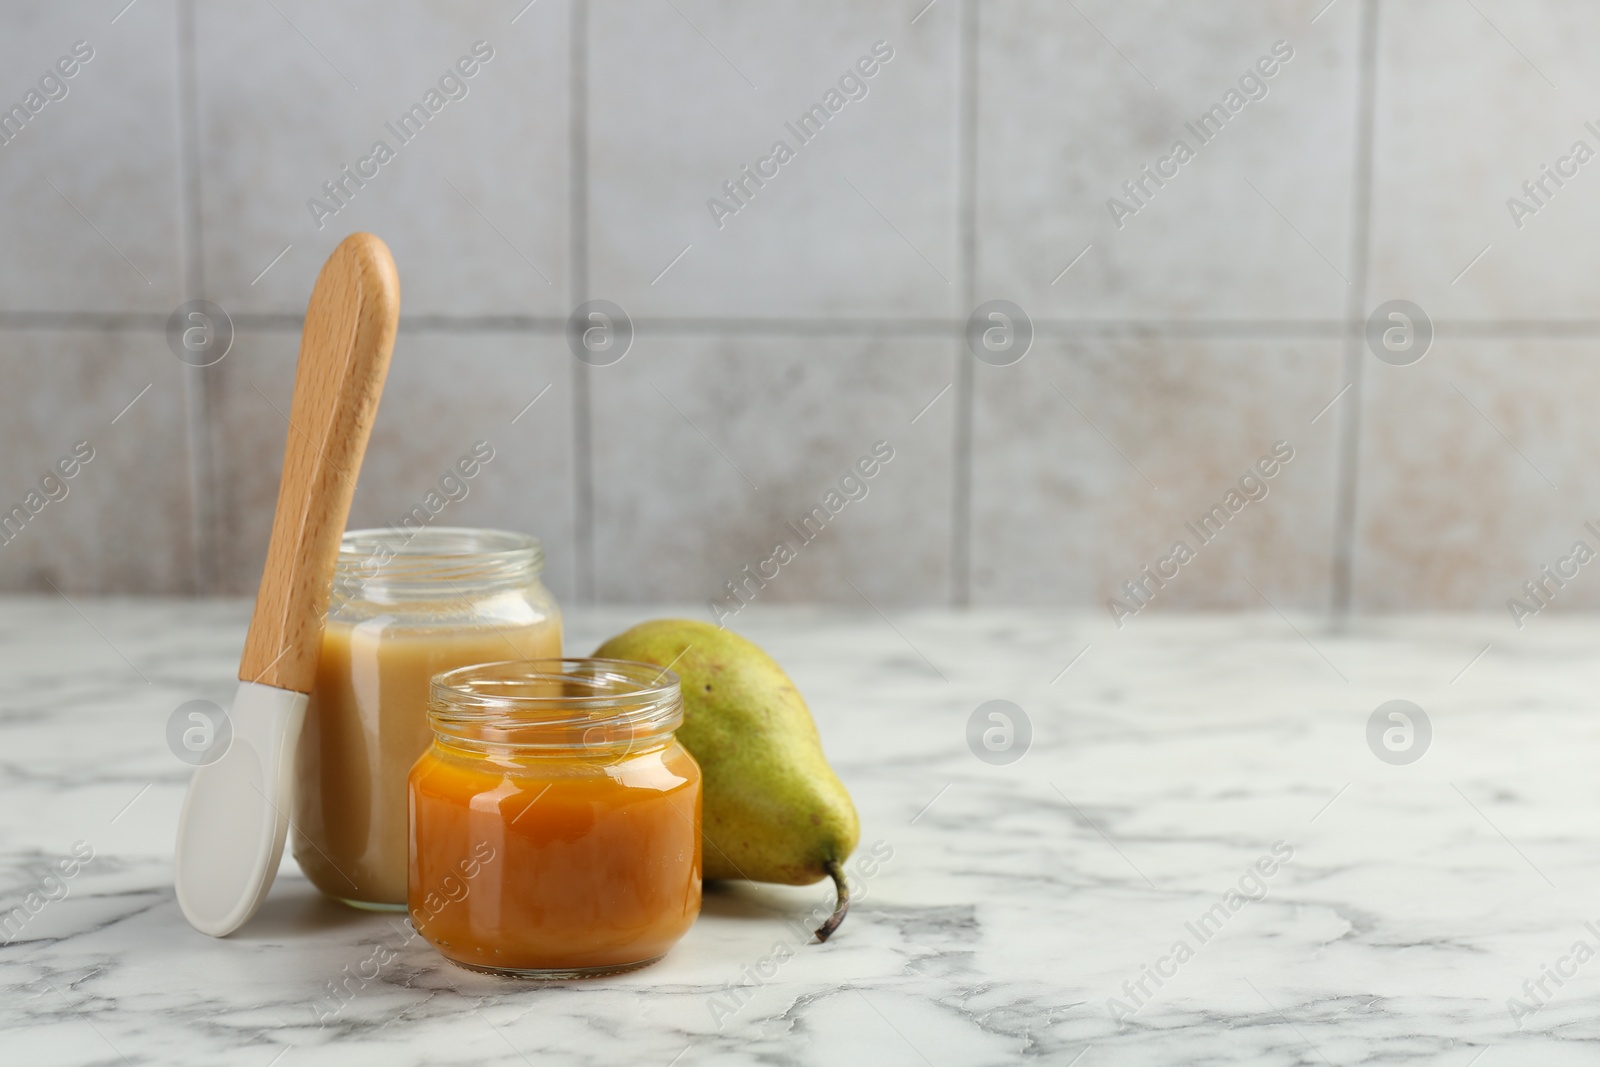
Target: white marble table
[1019,900]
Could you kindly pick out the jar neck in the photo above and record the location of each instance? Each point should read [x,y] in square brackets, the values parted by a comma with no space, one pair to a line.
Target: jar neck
[405,565]
[590,708]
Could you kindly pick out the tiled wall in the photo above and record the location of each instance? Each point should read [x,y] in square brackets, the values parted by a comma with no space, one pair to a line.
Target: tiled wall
[774,346]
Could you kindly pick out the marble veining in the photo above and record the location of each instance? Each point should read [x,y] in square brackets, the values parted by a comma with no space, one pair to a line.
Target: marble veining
[1029,911]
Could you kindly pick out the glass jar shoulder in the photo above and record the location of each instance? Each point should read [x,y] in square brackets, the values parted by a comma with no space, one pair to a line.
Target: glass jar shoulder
[531,606]
[463,773]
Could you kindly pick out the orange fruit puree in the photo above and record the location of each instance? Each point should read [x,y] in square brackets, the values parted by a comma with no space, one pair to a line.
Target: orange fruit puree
[563,863]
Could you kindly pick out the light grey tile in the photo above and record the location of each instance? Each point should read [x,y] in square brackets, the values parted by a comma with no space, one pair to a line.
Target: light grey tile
[861,222]
[123,525]
[445,392]
[707,449]
[279,119]
[105,238]
[1075,99]
[1091,457]
[1477,468]
[1465,116]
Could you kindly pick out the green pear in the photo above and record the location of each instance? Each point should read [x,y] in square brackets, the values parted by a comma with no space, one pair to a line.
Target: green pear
[772,809]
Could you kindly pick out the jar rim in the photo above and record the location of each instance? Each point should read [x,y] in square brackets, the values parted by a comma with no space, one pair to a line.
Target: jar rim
[542,699]
[441,542]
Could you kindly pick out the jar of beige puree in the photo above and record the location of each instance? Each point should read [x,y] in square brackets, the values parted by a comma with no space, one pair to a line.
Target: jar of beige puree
[406,605]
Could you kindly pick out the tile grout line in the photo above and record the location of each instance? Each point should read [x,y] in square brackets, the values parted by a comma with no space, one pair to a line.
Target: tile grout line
[578,265]
[808,327]
[197,413]
[967,227]
[1349,448]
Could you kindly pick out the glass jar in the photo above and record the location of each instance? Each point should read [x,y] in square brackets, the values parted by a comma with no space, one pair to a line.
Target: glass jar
[406,605]
[555,821]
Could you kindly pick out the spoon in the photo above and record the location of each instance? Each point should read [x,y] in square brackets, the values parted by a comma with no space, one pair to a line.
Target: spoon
[236,814]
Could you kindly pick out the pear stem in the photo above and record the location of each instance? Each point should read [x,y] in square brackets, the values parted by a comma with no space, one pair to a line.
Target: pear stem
[842,908]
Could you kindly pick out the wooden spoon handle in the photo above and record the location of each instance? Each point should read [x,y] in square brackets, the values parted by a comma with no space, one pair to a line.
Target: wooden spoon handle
[344,358]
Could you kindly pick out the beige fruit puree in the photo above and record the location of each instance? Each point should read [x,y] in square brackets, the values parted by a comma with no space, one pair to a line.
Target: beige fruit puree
[367,722]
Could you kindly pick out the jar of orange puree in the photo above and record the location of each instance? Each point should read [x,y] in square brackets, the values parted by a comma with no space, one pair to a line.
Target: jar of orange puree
[406,605]
[555,821]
